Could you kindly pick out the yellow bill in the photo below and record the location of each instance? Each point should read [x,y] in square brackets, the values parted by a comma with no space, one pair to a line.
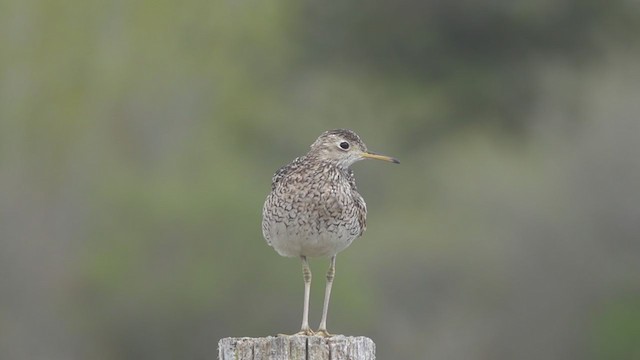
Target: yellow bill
[370,155]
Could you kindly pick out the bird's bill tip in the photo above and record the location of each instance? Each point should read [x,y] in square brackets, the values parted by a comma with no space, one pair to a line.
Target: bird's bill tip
[370,155]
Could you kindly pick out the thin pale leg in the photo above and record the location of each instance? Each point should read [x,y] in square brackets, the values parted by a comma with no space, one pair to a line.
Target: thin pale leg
[306,274]
[331,273]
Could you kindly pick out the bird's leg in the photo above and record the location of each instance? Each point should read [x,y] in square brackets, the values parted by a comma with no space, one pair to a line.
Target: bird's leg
[322,330]
[306,274]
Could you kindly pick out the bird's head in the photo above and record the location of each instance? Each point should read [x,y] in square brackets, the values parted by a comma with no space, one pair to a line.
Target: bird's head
[343,147]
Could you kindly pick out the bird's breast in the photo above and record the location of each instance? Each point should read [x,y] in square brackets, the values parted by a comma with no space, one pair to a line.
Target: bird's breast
[318,219]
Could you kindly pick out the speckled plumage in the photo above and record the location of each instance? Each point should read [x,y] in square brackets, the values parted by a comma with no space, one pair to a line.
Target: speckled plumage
[314,208]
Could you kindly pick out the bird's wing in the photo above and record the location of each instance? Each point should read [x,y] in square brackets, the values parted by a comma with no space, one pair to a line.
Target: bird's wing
[283,171]
[362,213]
[361,206]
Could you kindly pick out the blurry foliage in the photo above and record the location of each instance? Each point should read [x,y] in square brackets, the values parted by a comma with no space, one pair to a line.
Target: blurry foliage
[138,140]
[617,334]
[478,53]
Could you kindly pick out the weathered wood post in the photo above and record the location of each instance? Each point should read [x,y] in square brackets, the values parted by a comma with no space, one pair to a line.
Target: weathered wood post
[337,347]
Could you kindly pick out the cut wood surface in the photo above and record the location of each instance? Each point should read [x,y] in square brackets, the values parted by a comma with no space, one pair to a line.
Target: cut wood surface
[296,347]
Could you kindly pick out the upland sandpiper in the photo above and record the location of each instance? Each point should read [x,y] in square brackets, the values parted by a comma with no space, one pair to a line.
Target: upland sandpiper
[314,208]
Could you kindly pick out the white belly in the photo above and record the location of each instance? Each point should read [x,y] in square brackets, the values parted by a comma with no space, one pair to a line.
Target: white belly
[292,240]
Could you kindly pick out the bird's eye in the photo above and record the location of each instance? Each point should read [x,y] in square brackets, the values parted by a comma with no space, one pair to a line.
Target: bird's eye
[344,145]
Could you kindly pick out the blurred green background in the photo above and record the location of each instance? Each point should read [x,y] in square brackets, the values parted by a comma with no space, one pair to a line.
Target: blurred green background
[138,140]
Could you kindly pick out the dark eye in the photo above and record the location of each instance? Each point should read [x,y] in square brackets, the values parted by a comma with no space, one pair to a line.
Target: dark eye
[344,145]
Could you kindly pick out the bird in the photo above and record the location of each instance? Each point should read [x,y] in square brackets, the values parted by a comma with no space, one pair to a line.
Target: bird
[314,209]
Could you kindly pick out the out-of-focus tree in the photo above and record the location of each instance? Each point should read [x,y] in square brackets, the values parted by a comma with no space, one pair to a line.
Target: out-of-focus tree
[482,54]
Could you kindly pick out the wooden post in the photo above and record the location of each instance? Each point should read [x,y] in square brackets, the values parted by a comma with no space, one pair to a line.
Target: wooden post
[296,347]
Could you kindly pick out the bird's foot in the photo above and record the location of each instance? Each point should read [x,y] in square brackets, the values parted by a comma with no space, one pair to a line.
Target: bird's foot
[303,332]
[323,333]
